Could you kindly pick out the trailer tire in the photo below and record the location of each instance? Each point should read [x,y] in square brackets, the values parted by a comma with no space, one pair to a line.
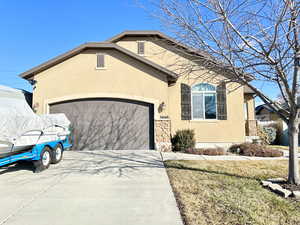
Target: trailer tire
[57,154]
[44,162]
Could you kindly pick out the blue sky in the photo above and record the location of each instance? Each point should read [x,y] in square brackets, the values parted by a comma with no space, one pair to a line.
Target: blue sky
[34,31]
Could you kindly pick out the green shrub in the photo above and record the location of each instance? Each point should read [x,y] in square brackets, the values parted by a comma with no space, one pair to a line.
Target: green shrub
[267,135]
[250,149]
[271,133]
[183,140]
[262,135]
[278,127]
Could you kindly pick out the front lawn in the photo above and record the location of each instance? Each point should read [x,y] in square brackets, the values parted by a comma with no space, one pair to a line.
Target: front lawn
[229,192]
[281,147]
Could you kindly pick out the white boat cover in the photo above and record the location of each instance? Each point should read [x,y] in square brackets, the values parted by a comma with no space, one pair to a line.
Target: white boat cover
[17,118]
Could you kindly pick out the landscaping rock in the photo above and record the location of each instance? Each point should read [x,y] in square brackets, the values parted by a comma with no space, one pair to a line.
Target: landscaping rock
[279,190]
[265,183]
[274,187]
[296,194]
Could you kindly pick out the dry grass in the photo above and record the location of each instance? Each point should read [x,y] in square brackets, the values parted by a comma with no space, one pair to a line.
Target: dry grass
[281,147]
[229,193]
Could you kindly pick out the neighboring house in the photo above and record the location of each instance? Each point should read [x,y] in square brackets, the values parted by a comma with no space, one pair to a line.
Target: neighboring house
[28,97]
[265,113]
[266,117]
[126,93]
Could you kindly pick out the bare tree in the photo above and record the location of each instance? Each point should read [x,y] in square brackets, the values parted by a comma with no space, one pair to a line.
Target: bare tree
[254,41]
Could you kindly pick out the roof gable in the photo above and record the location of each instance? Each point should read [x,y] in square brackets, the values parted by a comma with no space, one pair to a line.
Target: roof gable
[259,108]
[96,45]
[201,56]
[157,34]
[138,33]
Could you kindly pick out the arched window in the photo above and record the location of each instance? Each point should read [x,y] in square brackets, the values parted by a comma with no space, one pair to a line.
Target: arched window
[204,105]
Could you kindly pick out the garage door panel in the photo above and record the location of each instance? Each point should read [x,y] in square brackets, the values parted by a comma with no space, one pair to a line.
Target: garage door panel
[109,123]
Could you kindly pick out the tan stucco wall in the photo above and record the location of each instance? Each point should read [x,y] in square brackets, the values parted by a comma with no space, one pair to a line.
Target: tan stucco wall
[230,130]
[249,101]
[217,131]
[127,78]
[78,77]
[250,123]
[159,52]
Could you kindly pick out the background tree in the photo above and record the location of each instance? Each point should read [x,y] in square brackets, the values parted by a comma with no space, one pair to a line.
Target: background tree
[246,38]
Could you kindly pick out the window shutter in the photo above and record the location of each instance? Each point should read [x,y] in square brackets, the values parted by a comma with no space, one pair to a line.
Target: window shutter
[141,48]
[100,61]
[185,102]
[221,101]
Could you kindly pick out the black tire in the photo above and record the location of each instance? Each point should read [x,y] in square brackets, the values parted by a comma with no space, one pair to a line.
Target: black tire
[57,154]
[44,162]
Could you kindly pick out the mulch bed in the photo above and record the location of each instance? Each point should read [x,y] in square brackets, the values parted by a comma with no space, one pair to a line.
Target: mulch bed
[290,187]
[285,185]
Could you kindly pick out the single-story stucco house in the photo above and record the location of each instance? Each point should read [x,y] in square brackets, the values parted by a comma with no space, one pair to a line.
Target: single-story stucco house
[130,92]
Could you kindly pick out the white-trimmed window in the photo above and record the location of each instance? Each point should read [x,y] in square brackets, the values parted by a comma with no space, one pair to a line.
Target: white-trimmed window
[141,47]
[100,61]
[204,101]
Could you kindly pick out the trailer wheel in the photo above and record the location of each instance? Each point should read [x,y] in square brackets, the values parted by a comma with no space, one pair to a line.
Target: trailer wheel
[57,154]
[44,161]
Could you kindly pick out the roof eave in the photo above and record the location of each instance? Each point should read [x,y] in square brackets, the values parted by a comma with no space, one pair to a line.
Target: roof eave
[52,62]
[161,35]
[133,33]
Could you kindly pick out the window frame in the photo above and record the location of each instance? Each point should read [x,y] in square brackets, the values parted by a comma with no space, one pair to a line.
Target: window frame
[137,46]
[104,64]
[203,104]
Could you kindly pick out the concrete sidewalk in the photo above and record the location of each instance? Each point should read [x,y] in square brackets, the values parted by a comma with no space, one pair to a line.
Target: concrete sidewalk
[100,187]
[185,156]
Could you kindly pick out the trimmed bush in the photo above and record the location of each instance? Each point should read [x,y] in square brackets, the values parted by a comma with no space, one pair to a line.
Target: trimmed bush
[249,149]
[207,151]
[192,151]
[214,151]
[183,140]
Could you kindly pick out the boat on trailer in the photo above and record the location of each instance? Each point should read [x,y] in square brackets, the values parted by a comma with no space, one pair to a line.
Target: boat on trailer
[21,129]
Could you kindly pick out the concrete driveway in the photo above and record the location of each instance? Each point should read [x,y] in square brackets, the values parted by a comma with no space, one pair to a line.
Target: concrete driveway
[100,187]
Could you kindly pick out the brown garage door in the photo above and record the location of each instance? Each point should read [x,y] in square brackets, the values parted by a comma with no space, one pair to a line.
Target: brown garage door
[108,123]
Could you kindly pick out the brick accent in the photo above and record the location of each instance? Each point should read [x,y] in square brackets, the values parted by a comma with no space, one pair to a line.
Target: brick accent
[251,128]
[163,135]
